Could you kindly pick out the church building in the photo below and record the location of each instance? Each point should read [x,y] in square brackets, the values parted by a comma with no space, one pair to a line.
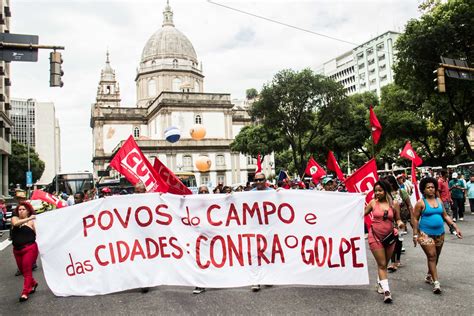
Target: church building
[170,92]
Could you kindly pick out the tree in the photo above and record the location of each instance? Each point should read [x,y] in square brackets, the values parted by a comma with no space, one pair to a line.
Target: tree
[251,93]
[18,164]
[446,29]
[256,139]
[296,107]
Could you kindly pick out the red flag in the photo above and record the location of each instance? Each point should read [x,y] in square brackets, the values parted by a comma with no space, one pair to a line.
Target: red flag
[363,180]
[334,166]
[131,162]
[314,170]
[414,181]
[175,185]
[259,164]
[409,153]
[375,126]
[48,198]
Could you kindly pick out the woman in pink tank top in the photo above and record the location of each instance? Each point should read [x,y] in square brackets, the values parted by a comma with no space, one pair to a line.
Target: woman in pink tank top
[384,211]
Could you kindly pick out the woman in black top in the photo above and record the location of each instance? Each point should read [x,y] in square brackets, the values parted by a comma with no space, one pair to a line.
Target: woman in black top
[25,248]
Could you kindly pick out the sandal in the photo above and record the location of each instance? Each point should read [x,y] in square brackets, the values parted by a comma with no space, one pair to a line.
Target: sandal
[392,268]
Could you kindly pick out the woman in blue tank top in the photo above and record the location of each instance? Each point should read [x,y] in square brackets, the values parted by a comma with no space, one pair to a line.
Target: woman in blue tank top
[428,220]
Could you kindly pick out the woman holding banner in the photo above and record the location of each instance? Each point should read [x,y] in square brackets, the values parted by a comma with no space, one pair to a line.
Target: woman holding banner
[25,248]
[381,233]
[428,220]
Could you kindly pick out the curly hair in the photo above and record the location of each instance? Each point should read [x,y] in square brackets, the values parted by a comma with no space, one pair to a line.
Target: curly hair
[424,182]
[28,206]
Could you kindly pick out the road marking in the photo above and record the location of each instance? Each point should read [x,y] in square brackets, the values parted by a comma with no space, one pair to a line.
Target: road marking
[4,244]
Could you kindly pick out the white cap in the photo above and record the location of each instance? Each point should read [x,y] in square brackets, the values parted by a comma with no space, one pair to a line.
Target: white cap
[454,175]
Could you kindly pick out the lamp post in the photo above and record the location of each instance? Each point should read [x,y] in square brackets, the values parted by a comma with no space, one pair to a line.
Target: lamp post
[28,140]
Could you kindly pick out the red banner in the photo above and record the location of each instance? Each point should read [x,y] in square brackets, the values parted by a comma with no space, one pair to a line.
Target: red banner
[363,180]
[134,166]
[375,126]
[334,166]
[48,198]
[410,154]
[314,170]
[414,181]
[174,185]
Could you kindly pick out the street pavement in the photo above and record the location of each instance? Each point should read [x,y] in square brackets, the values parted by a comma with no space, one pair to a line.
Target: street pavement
[412,296]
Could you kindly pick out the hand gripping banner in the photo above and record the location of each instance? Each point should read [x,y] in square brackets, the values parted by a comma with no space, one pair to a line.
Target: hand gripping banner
[259,237]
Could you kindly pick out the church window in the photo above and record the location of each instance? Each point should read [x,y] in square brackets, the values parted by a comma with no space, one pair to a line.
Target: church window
[176,84]
[220,160]
[151,88]
[198,119]
[187,161]
[136,132]
[175,63]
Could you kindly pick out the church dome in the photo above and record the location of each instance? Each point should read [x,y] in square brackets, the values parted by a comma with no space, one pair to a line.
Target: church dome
[168,42]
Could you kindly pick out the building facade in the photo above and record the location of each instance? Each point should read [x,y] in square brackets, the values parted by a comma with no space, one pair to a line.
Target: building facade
[368,67]
[5,121]
[170,92]
[36,123]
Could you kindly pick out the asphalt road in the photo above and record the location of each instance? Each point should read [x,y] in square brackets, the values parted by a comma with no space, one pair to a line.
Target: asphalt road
[411,295]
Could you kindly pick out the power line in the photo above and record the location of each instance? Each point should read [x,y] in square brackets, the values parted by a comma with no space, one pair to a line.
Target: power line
[281,23]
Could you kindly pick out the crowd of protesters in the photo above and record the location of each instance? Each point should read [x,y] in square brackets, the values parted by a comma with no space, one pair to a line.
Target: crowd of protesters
[442,201]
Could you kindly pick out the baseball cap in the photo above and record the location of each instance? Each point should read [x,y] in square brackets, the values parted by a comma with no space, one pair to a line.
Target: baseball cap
[455,175]
[106,190]
[326,180]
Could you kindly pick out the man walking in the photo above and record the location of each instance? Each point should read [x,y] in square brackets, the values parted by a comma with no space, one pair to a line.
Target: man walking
[457,194]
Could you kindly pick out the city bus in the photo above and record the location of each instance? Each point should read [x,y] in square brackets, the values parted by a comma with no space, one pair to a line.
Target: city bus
[465,168]
[188,179]
[71,183]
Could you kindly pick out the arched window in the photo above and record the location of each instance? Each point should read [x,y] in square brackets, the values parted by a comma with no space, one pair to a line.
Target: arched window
[198,119]
[151,88]
[196,86]
[136,132]
[176,84]
[175,63]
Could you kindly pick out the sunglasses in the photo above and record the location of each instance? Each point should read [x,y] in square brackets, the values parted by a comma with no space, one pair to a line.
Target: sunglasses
[259,179]
[385,215]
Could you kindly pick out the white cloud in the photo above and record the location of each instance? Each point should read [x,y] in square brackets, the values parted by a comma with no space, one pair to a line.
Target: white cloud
[238,51]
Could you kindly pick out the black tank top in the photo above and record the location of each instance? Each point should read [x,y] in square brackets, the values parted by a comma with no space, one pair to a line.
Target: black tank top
[22,236]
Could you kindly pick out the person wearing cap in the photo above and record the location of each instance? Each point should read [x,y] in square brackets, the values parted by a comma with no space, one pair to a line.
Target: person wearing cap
[106,191]
[328,184]
[457,188]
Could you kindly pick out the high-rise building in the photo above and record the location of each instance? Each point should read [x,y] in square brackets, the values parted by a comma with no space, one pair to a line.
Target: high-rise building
[36,123]
[367,67]
[5,121]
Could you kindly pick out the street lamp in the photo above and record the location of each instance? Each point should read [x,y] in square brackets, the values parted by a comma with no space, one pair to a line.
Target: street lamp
[28,140]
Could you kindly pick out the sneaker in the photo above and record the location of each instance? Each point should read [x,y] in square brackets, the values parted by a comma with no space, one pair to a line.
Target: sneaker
[198,290]
[461,219]
[428,279]
[403,249]
[436,288]
[403,232]
[379,288]
[255,288]
[387,297]
[454,220]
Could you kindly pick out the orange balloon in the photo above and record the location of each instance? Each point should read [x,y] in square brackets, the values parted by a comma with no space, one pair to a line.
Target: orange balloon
[203,163]
[198,131]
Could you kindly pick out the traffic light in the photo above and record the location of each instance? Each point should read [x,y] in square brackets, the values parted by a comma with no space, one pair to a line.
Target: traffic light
[441,87]
[55,70]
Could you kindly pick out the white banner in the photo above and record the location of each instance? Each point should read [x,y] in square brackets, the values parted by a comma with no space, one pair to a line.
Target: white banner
[217,240]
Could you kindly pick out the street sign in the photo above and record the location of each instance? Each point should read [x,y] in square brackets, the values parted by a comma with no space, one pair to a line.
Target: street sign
[18,54]
[29,179]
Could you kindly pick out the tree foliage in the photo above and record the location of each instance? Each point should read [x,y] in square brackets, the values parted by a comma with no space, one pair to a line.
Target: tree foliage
[443,120]
[18,164]
[251,93]
[297,106]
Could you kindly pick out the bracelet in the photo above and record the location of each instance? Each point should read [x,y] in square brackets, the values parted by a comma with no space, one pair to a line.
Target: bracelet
[415,236]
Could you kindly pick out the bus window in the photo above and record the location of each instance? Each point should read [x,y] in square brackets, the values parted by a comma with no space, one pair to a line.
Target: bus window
[71,183]
[188,179]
